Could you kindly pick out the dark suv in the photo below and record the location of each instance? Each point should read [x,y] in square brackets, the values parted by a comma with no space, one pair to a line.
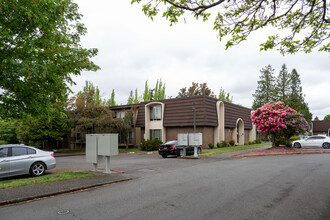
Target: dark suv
[172,148]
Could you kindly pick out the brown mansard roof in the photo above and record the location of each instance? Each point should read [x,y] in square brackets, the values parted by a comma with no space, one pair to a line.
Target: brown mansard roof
[321,126]
[179,113]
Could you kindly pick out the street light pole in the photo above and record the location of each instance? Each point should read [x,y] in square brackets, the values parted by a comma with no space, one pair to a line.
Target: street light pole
[194,109]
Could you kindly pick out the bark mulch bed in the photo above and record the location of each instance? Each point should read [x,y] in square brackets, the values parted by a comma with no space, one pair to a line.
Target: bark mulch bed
[282,150]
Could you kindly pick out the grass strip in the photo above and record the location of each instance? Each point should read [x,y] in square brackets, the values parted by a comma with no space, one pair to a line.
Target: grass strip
[215,151]
[11,183]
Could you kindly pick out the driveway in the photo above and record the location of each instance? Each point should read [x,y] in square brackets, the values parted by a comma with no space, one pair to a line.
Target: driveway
[273,187]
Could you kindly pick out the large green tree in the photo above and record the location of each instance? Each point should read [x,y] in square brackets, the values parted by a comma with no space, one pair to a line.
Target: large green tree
[156,93]
[282,85]
[147,92]
[88,114]
[266,87]
[111,101]
[195,89]
[159,92]
[287,89]
[225,96]
[8,132]
[306,23]
[327,117]
[296,98]
[40,52]
[130,99]
[44,131]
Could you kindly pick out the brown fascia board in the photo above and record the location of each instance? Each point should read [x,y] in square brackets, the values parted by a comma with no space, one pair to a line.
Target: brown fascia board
[123,107]
[178,112]
[323,126]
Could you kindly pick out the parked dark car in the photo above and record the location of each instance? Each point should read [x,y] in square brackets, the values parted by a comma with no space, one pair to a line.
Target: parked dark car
[172,148]
[19,159]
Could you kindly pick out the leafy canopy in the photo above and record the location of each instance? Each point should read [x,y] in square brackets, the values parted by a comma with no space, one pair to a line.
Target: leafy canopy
[40,51]
[305,23]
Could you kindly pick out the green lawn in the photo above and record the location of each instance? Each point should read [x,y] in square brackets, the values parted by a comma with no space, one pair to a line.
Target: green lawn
[11,183]
[215,151]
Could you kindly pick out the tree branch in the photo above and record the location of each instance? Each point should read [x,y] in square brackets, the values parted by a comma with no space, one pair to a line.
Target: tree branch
[194,9]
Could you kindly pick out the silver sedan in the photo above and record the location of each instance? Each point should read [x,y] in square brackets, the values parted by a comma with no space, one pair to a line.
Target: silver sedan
[19,159]
[312,142]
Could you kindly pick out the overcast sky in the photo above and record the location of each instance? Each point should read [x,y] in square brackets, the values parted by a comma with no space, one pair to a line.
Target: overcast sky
[133,49]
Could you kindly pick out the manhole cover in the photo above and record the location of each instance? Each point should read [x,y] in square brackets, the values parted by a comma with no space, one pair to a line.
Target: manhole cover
[63,212]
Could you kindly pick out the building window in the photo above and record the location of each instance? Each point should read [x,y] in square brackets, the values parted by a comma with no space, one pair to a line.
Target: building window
[123,140]
[156,113]
[155,134]
[120,114]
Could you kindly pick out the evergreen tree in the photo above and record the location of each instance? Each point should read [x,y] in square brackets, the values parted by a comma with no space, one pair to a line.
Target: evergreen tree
[90,94]
[265,90]
[195,89]
[159,93]
[130,98]
[296,97]
[147,92]
[316,118]
[136,97]
[282,85]
[225,96]
[327,117]
[112,101]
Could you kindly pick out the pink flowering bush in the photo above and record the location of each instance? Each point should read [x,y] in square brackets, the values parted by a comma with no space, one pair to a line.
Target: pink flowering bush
[279,121]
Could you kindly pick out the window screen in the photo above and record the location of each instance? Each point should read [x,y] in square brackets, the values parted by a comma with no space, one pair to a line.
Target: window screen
[156,113]
[155,134]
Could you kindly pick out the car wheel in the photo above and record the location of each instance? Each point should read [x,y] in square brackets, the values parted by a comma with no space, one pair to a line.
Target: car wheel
[37,169]
[326,145]
[199,150]
[297,145]
[164,156]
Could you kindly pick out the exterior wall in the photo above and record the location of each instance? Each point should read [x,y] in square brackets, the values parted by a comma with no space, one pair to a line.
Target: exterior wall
[228,134]
[137,136]
[172,133]
[246,136]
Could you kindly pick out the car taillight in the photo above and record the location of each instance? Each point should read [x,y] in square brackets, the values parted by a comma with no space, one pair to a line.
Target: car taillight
[172,147]
[52,154]
[159,147]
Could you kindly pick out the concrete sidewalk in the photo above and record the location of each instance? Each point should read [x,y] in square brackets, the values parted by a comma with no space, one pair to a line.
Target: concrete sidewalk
[31,192]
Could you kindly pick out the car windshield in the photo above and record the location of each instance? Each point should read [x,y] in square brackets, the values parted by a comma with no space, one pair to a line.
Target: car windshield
[171,143]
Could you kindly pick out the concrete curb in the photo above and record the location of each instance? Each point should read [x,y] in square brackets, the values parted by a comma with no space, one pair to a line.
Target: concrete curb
[75,189]
[281,153]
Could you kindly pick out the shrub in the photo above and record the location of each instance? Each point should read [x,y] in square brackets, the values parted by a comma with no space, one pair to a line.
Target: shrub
[294,138]
[258,141]
[232,142]
[3,142]
[211,145]
[218,145]
[150,145]
[250,142]
[279,122]
[224,144]
[236,144]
